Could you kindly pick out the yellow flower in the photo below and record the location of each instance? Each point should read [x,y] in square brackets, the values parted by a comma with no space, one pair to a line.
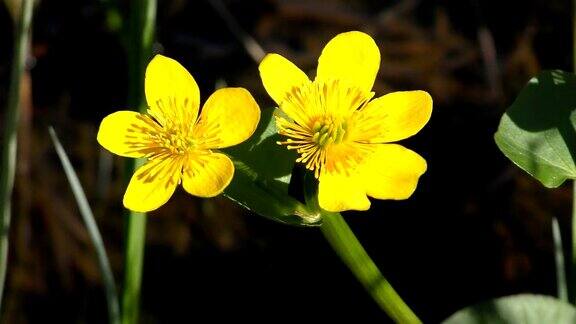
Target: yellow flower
[179,146]
[339,132]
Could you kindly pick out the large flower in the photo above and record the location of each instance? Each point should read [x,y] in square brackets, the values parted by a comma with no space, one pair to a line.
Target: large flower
[179,146]
[339,132]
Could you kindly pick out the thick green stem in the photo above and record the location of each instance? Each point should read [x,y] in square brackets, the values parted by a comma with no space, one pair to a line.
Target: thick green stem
[9,144]
[352,253]
[347,246]
[139,43]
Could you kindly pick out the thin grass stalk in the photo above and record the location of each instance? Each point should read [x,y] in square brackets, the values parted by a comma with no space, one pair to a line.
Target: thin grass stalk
[140,39]
[9,139]
[93,232]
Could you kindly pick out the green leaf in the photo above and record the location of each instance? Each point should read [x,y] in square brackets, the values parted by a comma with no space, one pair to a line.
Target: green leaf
[537,131]
[520,309]
[262,176]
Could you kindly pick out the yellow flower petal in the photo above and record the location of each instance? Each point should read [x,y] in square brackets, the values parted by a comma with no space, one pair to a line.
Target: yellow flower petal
[207,175]
[126,133]
[153,184]
[351,57]
[338,192]
[393,117]
[229,116]
[171,92]
[280,76]
[392,172]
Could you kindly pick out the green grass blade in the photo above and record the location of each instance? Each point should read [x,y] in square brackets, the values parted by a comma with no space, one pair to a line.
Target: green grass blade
[88,217]
[9,144]
[562,286]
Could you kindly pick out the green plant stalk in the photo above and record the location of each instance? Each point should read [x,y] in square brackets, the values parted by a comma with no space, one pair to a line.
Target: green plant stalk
[352,253]
[139,45]
[9,144]
[136,237]
[93,232]
[349,249]
[561,286]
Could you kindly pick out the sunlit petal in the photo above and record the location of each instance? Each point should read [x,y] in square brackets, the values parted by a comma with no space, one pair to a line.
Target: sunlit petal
[127,133]
[229,116]
[339,192]
[393,117]
[353,58]
[207,175]
[280,76]
[153,184]
[171,92]
[392,172]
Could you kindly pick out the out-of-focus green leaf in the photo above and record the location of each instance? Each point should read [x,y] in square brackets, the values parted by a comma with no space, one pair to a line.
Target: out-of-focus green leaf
[516,309]
[537,131]
[262,176]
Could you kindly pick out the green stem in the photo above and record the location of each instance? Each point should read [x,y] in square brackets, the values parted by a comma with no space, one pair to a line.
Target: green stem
[136,236]
[347,246]
[139,43]
[561,286]
[352,253]
[9,144]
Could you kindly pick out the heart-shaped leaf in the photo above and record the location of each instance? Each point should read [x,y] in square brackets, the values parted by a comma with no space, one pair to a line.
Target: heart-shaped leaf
[537,131]
[263,173]
[516,309]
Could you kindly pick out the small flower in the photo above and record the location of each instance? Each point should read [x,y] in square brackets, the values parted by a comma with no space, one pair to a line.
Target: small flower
[179,146]
[340,133]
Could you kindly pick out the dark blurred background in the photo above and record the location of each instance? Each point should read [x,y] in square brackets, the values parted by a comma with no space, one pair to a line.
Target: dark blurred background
[476,228]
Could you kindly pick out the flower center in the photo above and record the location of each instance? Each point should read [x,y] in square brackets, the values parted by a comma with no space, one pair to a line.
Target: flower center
[174,141]
[327,131]
[159,141]
[318,117]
